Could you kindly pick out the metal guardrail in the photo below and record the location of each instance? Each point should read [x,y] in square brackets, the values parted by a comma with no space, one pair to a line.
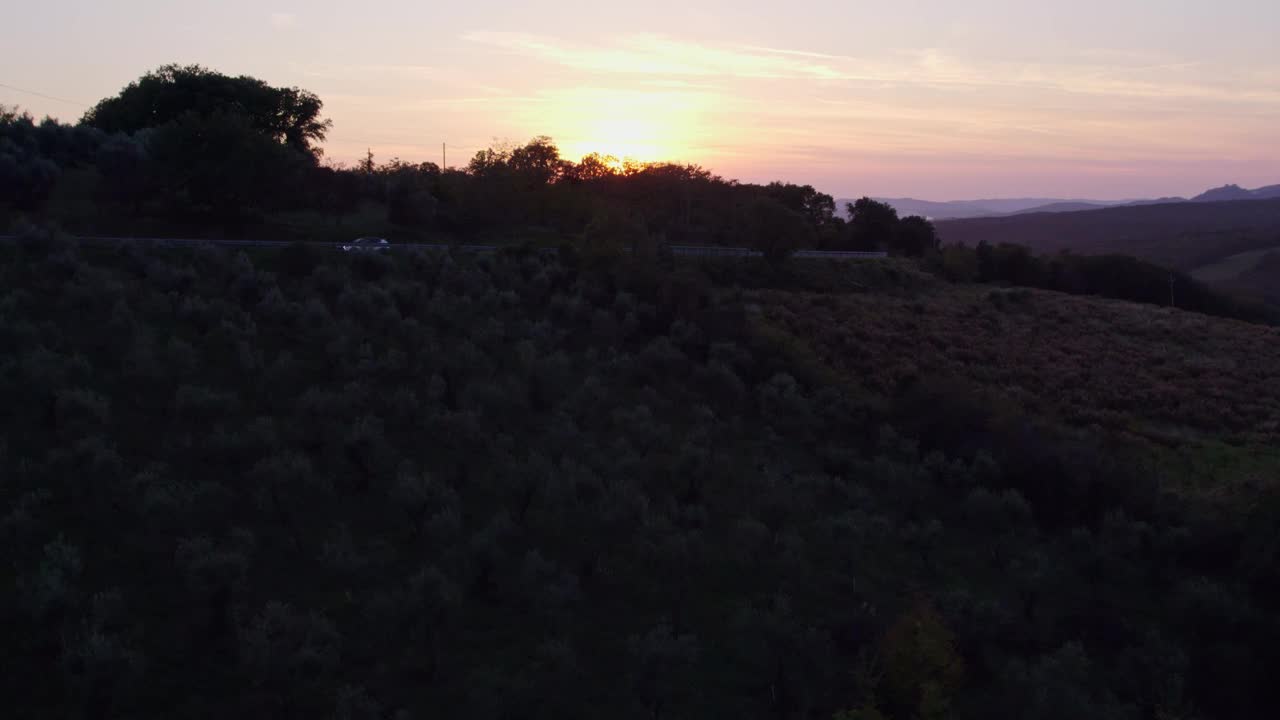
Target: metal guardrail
[104,239]
[684,250]
[840,254]
[169,241]
[713,251]
[718,251]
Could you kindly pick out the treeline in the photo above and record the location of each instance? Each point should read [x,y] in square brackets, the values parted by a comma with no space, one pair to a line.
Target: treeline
[187,149]
[1114,276]
[306,484]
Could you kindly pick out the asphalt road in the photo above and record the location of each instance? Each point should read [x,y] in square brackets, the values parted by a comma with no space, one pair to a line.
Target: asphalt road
[686,250]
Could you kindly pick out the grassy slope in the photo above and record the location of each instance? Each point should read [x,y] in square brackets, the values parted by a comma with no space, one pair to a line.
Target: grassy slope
[1198,392]
[1232,266]
[1252,274]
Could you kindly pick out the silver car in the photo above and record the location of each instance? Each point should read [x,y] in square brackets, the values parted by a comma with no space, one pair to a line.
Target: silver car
[367,244]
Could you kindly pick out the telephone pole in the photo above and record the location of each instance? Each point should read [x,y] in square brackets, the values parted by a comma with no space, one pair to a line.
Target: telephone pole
[444,156]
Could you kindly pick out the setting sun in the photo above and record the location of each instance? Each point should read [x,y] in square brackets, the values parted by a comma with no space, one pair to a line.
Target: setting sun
[644,126]
[621,138]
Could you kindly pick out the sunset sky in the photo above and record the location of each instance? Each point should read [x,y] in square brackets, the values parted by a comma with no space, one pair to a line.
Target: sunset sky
[937,100]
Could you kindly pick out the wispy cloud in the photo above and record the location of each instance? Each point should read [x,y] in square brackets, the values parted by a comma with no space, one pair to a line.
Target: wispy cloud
[793,53]
[656,55]
[1093,72]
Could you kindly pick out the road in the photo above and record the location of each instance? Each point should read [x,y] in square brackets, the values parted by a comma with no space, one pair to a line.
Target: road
[684,250]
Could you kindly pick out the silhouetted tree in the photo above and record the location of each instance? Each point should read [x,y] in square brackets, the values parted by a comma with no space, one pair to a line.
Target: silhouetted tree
[592,167]
[217,166]
[289,116]
[27,176]
[818,208]
[127,177]
[775,230]
[914,237]
[872,225]
[537,162]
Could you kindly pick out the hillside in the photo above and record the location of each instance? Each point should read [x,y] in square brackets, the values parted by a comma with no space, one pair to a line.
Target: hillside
[1183,236]
[287,483]
[1255,273]
[975,208]
[1064,206]
[1176,380]
[963,209]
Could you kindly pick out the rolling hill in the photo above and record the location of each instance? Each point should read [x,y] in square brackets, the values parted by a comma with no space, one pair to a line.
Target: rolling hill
[961,209]
[1186,375]
[1183,236]
[975,208]
[1255,273]
[1065,206]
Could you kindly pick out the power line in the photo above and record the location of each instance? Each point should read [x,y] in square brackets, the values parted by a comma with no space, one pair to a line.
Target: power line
[46,97]
[347,140]
[383,143]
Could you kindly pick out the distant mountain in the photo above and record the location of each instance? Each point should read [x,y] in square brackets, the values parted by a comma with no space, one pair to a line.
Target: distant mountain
[1235,192]
[1181,235]
[1226,192]
[975,208]
[1016,205]
[1157,201]
[1061,207]
[999,207]
[931,209]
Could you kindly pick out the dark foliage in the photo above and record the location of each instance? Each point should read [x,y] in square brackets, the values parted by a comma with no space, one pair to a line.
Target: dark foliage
[775,230]
[303,484]
[33,156]
[872,225]
[875,225]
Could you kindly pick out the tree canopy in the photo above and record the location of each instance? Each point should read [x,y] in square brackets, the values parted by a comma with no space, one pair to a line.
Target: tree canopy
[289,116]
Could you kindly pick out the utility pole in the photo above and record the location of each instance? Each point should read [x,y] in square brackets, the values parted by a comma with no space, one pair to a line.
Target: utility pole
[444,156]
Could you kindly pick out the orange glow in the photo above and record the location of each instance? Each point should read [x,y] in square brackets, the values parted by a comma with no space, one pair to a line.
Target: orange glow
[624,139]
[637,125]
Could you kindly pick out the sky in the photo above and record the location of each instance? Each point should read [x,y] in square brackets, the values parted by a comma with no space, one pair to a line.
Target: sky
[931,99]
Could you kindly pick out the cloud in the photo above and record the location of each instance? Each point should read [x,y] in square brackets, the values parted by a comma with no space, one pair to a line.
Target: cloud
[283,20]
[1093,72]
[753,110]
[656,55]
[793,53]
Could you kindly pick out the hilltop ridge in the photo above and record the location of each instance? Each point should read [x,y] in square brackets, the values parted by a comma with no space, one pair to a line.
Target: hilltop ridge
[995,207]
[1181,235]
